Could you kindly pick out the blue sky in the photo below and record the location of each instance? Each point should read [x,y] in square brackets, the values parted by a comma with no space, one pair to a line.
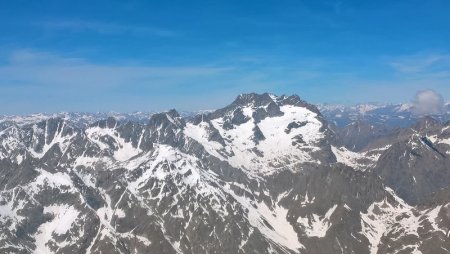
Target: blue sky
[154,55]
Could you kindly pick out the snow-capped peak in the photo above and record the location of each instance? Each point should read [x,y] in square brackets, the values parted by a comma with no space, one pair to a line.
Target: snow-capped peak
[261,133]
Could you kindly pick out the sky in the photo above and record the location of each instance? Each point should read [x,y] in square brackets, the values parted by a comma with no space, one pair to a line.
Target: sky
[154,55]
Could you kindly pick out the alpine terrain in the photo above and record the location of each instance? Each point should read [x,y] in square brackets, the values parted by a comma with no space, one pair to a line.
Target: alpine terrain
[265,174]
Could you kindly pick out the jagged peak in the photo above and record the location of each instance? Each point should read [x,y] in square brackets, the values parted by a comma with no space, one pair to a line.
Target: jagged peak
[293,99]
[110,123]
[426,122]
[266,98]
[256,106]
[255,99]
[52,120]
[173,113]
[53,124]
[171,117]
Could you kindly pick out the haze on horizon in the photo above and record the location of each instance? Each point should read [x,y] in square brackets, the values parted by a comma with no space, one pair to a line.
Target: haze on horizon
[149,56]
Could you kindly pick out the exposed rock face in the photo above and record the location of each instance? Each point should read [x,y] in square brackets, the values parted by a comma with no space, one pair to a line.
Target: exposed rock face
[262,175]
[417,164]
[357,135]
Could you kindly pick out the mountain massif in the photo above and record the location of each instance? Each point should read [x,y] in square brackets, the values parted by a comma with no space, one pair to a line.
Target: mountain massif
[265,174]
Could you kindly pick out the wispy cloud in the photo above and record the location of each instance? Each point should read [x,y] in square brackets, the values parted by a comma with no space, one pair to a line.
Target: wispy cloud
[106,28]
[420,63]
[39,80]
[43,69]
[42,81]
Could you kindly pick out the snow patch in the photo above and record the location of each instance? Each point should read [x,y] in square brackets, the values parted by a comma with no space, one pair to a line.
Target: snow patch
[123,150]
[64,217]
[384,216]
[316,225]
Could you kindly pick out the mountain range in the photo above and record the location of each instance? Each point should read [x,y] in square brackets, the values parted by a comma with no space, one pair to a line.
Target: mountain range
[390,115]
[265,174]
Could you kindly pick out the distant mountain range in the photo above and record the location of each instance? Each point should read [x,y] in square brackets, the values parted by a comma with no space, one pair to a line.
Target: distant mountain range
[265,174]
[390,115]
[86,118]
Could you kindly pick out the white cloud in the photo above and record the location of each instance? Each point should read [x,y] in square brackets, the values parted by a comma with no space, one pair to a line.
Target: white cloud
[428,102]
